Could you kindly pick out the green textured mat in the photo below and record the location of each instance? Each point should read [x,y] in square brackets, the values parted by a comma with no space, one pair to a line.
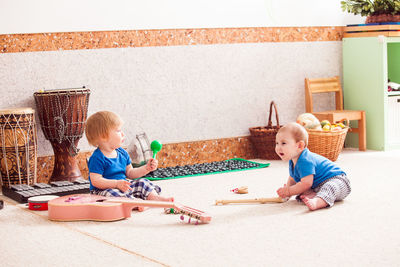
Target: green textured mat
[231,165]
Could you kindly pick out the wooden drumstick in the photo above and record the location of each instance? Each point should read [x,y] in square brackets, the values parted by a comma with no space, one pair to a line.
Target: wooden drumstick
[255,200]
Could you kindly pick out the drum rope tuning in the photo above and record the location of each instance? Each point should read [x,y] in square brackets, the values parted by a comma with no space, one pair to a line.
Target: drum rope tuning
[18,141]
[58,120]
[64,130]
[62,115]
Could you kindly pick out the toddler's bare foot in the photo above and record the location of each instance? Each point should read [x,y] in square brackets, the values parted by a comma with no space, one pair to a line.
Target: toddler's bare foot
[140,209]
[309,194]
[168,199]
[314,203]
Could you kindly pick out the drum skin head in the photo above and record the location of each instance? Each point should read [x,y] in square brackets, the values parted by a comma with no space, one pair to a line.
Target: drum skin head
[40,202]
[17,111]
[42,199]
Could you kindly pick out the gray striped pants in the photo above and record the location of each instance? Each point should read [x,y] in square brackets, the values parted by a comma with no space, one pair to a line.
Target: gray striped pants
[334,189]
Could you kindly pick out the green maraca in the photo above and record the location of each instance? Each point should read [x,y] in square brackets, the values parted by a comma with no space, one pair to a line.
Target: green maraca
[155,146]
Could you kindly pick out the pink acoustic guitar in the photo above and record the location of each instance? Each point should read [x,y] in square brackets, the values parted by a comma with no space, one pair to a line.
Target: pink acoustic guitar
[98,208]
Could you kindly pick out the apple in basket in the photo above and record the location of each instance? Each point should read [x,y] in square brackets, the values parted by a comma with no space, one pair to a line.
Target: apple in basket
[337,127]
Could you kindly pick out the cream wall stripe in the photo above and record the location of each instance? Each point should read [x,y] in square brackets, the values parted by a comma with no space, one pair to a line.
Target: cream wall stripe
[38,16]
[14,43]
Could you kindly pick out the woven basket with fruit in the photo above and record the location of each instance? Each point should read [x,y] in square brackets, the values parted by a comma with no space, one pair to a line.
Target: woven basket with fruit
[324,138]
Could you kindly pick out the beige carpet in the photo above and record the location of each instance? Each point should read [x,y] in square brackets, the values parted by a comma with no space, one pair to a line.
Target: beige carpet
[363,230]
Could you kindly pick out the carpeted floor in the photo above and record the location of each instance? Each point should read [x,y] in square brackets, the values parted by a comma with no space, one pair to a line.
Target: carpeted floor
[362,230]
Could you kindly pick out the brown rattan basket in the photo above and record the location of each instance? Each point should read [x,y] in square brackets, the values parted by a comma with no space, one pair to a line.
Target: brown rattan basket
[263,137]
[327,143]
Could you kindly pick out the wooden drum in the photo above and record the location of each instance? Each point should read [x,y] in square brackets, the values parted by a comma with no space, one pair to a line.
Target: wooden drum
[18,139]
[62,114]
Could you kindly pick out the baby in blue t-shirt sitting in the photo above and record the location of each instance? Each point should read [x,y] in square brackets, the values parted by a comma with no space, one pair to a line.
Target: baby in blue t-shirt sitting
[316,180]
[110,171]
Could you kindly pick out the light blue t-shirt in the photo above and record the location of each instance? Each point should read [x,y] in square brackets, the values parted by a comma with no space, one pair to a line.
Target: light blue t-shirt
[312,163]
[109,168]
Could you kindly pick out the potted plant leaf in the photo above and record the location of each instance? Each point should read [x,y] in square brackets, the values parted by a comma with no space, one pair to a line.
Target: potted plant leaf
[375,10]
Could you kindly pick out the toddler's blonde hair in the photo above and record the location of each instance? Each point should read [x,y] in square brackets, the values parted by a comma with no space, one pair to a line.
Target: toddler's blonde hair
[99,125]
[298,132]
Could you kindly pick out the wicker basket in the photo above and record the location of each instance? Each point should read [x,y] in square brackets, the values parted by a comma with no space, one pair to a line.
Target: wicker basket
[326,143]
[263,137]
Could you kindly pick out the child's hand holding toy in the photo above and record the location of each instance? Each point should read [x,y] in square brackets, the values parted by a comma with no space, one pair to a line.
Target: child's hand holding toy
[284,192]
[153,162]
[151,165]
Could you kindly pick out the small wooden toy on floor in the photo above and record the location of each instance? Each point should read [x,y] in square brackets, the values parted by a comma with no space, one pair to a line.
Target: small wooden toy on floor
[240,190]
[255,200]
[182,217]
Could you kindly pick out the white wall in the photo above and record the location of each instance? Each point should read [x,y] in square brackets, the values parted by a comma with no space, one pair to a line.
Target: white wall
[36,16]
[173,93]
[177,93]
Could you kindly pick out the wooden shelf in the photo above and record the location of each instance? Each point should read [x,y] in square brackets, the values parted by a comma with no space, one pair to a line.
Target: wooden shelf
[389,30]
[394,93]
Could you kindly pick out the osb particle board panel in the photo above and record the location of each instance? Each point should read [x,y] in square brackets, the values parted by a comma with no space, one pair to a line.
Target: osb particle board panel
[12,43]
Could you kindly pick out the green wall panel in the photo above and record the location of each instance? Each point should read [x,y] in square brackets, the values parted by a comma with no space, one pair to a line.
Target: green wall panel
[367,64]
[394,62]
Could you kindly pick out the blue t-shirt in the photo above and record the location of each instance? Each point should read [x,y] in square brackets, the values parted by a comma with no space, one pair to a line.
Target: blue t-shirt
[311,163]
[109,168]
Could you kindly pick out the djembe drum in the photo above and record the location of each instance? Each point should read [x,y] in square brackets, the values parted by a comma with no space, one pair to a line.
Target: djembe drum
[18,139]
[62,114]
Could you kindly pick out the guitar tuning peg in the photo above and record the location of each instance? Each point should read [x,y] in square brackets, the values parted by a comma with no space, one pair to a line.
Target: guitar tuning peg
[182,218]
[189,220]
[196,223]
